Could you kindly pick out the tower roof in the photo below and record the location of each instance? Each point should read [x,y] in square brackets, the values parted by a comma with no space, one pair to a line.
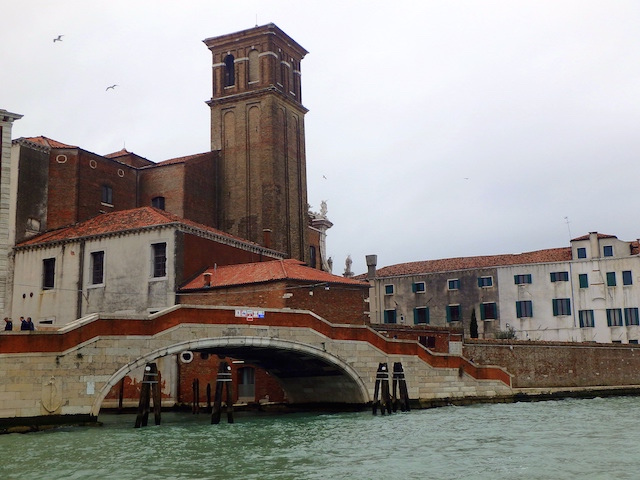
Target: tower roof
[230,39]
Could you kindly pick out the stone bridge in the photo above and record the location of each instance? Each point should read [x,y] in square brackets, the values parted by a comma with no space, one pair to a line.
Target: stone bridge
[67,373]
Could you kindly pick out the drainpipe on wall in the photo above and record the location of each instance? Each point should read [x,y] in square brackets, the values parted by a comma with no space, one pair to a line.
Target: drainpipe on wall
[80,280]
[266,237]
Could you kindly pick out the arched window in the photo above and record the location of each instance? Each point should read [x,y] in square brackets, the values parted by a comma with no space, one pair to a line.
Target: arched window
[158,202]
[254,66]
[229,71]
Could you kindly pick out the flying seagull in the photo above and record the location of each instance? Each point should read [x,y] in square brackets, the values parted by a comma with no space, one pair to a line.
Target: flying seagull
[112,87]
[58,38]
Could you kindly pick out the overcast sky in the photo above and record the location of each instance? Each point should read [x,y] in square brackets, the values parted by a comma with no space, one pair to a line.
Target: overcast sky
[443,128]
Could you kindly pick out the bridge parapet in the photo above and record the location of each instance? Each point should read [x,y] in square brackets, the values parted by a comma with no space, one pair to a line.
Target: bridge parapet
[69,372]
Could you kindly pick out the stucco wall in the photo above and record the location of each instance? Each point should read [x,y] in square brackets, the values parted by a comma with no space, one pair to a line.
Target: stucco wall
[128,284]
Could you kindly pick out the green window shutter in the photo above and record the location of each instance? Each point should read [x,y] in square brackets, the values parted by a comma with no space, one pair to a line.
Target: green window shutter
[415,316]
[481,312]
[413,287]
[584,280]
[518,310]
[426,315]
[448,314]
[515,279]
[555,307]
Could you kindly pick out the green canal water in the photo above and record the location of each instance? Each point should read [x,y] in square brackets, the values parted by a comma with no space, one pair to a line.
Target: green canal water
[568,439]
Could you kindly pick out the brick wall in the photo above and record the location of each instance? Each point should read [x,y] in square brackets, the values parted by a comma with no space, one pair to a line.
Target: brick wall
[559,365]
[339,304]
[63,188]
[164,181]
[196,254]
[204,367]
[436,339]
[75,171]
[200,192]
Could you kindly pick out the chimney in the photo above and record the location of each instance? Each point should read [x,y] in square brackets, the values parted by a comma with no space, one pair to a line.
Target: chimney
[207,279]
[372,261]
[266,237]
[594,244]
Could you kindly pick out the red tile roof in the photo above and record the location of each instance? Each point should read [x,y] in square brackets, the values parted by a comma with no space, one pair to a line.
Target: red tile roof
[47,142]
[464,263]
[586,237]
[173,161]
[261,272]
[121,221]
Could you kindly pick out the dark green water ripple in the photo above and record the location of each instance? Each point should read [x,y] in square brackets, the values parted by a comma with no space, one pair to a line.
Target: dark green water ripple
[569,439]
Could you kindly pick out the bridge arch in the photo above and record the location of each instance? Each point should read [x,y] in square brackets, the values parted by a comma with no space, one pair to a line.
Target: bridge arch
[306,373]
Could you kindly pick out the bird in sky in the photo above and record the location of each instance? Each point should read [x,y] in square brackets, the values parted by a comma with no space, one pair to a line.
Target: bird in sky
[111,87]
[323,176]
[58,38]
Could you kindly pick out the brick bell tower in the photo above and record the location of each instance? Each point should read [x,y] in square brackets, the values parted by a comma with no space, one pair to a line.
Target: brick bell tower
[257,122]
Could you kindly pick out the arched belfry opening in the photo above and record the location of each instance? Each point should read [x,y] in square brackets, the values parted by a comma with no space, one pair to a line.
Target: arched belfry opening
[229,71]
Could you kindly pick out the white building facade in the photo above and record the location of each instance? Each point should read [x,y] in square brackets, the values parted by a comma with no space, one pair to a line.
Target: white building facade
[588,292]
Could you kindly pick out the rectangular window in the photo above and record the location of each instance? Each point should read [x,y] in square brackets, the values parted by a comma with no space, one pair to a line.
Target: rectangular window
[559,276]
[389,316]
[159,259]
[454,284]
[614,317]
[522,279]
[388,289]
[582,252]
[107,195]
[607,251]
[97,268]
[586,318]
[485,282]
[453,313]
[48,273]
[524,309]
[627,279]
[561,306]
[611,279]
[584,280]
[418,287]
[631,316]
[488,311]
[421,315]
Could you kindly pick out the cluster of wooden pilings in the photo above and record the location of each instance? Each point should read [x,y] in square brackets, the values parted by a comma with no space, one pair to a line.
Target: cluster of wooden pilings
[151,389]
[398,398]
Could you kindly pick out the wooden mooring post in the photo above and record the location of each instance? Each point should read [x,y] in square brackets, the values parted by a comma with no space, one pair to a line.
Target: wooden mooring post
[150,388]
[223,380]
[400,392]
[195,386]
[382,388]
[121,395]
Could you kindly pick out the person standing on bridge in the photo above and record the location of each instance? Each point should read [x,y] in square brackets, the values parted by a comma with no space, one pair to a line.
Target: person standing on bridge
[23,324]
[8,324]
[30,325]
